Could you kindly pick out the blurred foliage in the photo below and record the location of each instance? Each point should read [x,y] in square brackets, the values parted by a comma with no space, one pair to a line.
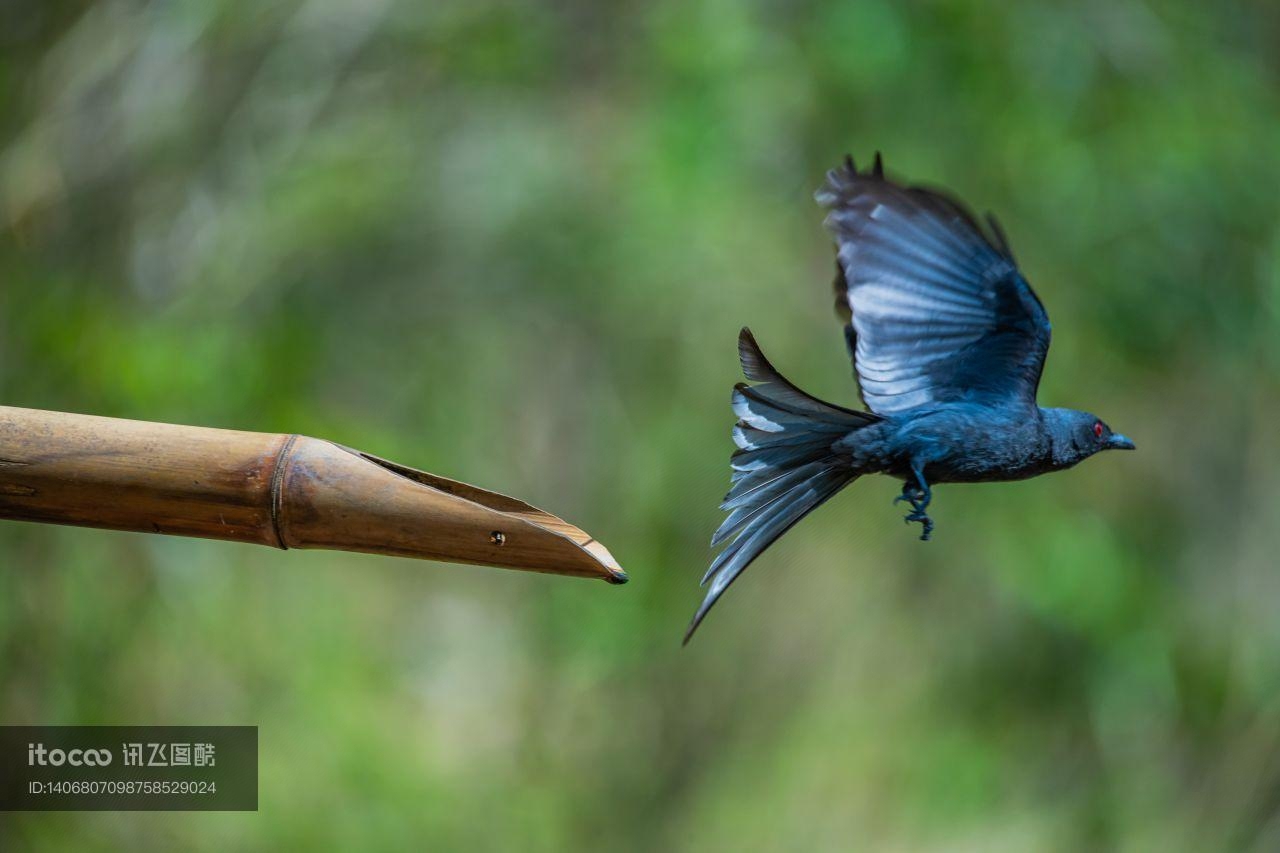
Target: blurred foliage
[513,243]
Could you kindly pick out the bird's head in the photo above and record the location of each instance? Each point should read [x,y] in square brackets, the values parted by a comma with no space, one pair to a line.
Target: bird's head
[1075,436]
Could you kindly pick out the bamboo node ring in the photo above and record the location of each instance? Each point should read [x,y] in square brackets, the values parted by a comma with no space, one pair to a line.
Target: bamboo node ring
[277,488]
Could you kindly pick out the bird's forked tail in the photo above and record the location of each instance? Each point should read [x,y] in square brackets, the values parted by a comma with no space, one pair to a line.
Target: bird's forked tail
[783,469]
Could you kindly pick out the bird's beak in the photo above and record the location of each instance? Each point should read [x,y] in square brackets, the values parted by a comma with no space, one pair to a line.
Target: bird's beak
[1119,442]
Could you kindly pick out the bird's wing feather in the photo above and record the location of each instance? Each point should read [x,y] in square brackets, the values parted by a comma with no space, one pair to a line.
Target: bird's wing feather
[936,310]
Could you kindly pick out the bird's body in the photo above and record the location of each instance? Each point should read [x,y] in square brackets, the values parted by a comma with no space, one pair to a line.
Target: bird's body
[953,443]
[948,341]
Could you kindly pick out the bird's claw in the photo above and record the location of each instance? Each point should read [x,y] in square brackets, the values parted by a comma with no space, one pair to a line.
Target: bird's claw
[925,522]
[919,500]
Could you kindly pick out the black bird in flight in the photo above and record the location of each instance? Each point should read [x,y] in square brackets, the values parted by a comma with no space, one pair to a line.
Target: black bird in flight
[948,341]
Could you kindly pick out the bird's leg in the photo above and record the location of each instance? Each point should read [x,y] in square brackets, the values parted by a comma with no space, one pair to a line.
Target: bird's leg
[918,494]
[910,493]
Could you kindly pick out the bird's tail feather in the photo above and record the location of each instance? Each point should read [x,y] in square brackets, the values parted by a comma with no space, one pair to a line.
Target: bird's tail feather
[784,468]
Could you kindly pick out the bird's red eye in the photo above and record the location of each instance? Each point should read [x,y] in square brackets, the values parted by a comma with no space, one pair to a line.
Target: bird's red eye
[1097,429]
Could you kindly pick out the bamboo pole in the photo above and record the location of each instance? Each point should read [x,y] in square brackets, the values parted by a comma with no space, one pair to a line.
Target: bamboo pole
[283,491]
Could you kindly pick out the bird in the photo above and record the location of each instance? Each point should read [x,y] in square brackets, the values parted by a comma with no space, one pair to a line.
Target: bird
[948,341]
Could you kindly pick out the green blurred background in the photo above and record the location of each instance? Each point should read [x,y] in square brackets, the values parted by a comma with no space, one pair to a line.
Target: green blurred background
[513,243]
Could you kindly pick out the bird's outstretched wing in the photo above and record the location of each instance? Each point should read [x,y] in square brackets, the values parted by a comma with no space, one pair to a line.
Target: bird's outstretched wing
[937,310]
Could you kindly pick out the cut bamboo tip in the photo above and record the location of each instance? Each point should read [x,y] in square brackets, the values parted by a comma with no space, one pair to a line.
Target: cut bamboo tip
[283,491]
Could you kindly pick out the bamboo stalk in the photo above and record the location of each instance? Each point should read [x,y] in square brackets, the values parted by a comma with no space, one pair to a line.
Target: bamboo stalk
[283,491]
